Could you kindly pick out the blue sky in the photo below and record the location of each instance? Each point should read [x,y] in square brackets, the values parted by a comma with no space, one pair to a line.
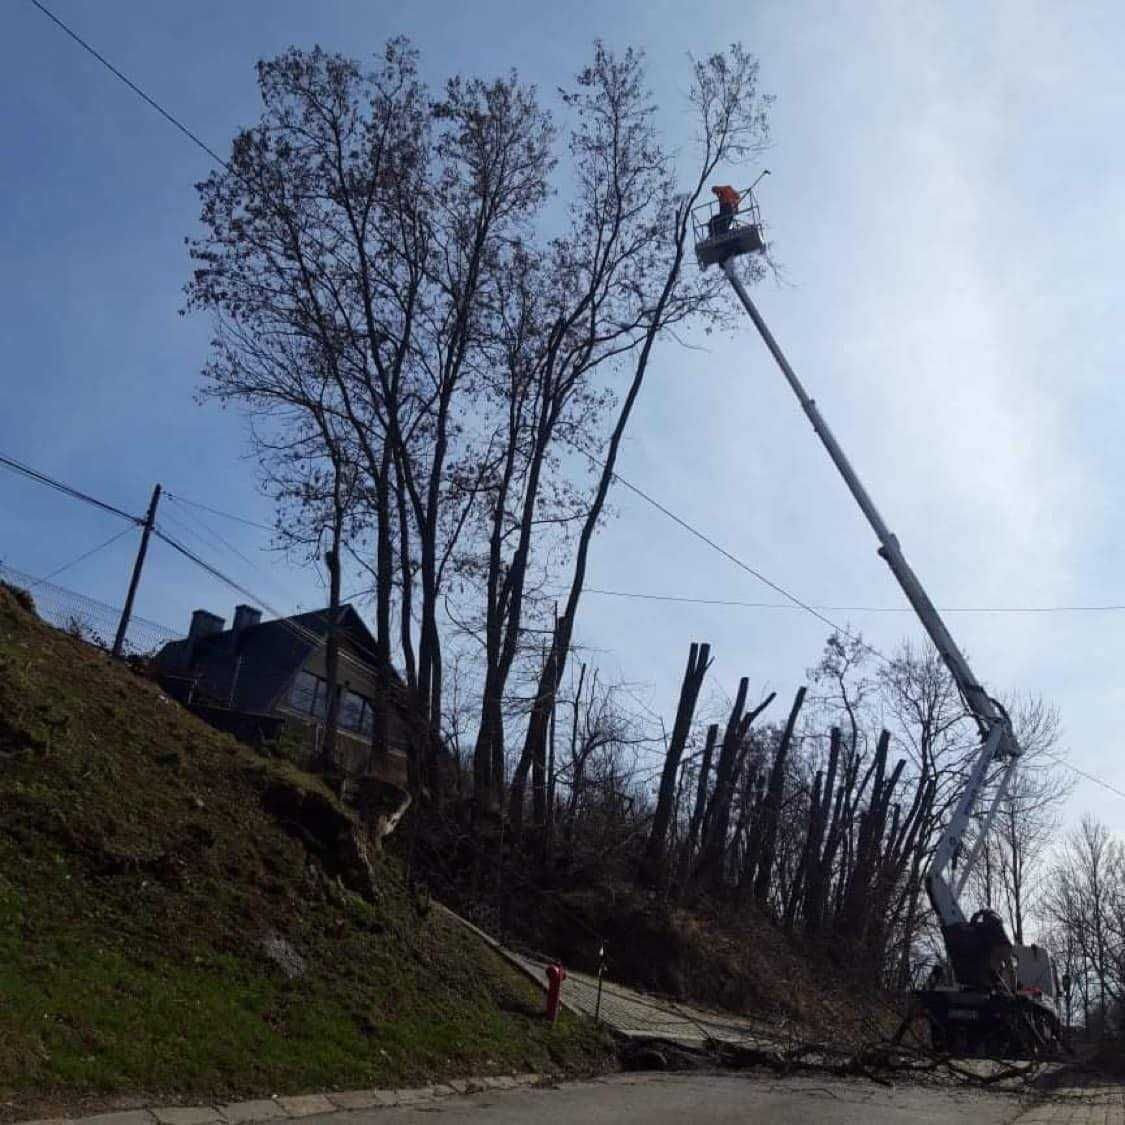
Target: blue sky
[946,197]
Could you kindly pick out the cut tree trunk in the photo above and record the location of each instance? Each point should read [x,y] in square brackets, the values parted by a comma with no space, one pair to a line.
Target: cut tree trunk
[653,861]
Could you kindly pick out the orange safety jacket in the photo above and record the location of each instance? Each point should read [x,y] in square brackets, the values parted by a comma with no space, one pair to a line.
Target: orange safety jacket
[728,197]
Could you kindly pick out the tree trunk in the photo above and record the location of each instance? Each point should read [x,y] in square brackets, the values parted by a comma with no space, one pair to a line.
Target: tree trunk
[711,871]
[772,808]
[327,761]
[810,849]
[820,862]
[697,665]
[701,802]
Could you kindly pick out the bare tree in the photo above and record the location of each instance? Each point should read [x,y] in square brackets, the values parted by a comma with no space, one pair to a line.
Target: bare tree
[460,348]
[731,119]
[1086,901]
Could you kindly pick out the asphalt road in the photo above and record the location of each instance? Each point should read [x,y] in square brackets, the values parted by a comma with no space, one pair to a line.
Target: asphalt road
[678,1099]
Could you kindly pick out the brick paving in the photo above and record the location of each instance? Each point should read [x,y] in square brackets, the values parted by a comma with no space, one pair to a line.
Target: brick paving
[1096,1102]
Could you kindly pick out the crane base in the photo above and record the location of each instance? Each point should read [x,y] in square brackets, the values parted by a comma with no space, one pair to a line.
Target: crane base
[997,1025]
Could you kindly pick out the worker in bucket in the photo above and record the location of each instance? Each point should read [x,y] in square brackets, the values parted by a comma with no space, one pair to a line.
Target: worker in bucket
[728,208]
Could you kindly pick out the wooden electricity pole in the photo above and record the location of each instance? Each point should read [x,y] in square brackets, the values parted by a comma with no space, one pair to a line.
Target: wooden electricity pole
[127,612]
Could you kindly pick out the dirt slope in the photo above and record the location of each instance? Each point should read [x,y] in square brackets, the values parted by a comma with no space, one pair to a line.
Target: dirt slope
[182,918]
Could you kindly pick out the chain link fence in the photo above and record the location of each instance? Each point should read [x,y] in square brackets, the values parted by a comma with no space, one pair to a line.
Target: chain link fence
[86,618]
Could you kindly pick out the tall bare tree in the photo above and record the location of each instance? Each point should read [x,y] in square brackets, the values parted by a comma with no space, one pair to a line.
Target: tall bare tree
[732,128]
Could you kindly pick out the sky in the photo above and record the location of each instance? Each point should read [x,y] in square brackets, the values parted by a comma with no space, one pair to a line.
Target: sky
[948,205]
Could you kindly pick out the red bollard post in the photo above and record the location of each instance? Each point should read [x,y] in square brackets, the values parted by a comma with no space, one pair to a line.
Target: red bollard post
[556,974]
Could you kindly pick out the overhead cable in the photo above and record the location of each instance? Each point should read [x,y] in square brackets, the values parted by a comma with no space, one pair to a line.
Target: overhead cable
[81,558]
[216,512]
[1106,608]
[131,84]
[69,490]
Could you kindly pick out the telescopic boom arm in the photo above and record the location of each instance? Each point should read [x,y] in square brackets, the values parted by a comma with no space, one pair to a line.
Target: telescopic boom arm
[998,739]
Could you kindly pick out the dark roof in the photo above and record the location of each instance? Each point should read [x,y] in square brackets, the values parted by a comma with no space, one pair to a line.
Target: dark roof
[272,653]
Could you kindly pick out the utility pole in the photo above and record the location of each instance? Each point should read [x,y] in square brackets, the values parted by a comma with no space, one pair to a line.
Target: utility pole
[127,612]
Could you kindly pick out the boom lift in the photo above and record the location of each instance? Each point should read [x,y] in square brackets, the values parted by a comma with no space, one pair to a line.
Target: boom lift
[993,997]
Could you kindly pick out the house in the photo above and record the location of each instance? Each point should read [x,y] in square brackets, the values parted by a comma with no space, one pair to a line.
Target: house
[257,677]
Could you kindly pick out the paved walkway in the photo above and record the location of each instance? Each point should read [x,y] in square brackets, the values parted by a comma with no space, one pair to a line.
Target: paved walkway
[630,1012]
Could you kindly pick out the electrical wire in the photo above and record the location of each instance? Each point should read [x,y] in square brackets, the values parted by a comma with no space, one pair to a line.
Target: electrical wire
[66,489]
[215,536]
[216,512]
[309,637]
[692,530]
[77,494]
[212,537]
[81,558]
[1082,773]
[166,114]
[189,554]
[793,601]
[1107,608]
[183,528]
[131,84]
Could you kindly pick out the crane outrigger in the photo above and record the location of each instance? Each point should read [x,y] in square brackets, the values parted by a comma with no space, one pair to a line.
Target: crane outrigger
[993,997]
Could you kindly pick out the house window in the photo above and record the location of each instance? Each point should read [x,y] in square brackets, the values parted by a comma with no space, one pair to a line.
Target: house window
[351,711]
[307,696]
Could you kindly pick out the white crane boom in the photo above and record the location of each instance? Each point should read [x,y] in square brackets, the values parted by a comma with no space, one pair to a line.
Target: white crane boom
[997,996]
[998,739]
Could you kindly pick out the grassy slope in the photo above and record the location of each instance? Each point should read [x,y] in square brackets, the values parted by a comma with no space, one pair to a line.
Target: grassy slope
[139,878]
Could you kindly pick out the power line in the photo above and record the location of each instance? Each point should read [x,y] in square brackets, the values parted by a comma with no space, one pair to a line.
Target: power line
[81,558]
[1108,608]
[68,490]
[817,610]
[184,529]
[132,85]
[212,538]
[776,587]
[214,534]
[307,635]
[1082,773]
[166,114]
[224,515]
[189,554]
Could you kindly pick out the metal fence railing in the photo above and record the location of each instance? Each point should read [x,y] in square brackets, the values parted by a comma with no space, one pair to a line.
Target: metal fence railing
[87,618]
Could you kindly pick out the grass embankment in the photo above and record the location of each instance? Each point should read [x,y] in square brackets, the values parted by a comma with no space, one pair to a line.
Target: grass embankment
[163,935]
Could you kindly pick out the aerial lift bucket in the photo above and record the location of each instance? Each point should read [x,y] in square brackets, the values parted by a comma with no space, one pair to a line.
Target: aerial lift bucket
[720,235]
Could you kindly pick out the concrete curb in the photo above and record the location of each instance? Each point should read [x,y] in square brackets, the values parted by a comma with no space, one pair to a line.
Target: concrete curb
[295,1108]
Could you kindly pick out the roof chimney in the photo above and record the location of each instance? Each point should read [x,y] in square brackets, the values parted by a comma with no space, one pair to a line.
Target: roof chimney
[245,617]
[204,624]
